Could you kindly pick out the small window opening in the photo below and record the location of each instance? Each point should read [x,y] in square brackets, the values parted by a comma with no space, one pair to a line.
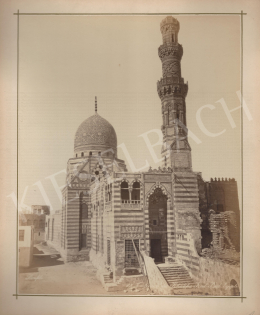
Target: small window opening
[136,191]
[90,153]
[124,191]
[82,153]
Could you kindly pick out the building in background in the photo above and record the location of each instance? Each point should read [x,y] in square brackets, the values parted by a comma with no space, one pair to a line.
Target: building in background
[25,245]
[53,230]
[37,219]
[39,209]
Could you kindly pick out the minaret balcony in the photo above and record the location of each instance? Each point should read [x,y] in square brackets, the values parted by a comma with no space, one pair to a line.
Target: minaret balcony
[169,80]
[164,88]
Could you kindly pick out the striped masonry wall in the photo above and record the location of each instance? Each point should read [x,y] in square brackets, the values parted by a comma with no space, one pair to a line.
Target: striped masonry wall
[63,215]
[186,194]
[186,251]
[124,216]
[170,228]
[186,197]
[146,228]
[72,220]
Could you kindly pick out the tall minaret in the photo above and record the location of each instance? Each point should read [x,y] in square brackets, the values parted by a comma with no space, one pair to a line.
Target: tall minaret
[176,149]
[172,91]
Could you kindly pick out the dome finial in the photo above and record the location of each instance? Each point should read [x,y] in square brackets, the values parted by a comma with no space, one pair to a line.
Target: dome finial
[95,105]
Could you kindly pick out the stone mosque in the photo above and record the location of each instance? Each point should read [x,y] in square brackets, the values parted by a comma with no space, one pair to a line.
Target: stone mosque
[167,223]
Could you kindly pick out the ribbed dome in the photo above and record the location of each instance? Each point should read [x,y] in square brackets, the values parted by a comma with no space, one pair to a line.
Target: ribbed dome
[95,131]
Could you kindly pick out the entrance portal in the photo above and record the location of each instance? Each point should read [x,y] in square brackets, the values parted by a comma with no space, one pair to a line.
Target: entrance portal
[158,225]
[156,250]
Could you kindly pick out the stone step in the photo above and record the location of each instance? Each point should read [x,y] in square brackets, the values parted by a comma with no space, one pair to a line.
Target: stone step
[177,277]
[171,270]
[181,282]
[176,271]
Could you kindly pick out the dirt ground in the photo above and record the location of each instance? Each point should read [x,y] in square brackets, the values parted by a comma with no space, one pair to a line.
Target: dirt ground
[49,275]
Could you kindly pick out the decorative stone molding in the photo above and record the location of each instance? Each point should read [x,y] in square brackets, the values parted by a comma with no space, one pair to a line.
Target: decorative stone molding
[164,191]
[159,170]
[131,205]
[131,232]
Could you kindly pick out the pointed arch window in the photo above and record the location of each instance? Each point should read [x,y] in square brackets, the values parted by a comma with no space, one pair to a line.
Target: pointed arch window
[135,195]
[84,211]
[124,191]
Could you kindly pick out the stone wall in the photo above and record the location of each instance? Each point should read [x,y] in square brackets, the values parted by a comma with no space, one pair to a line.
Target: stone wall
[216,277]
[220,195]
[53,238]
[156,280]
[186,251]
[213,276]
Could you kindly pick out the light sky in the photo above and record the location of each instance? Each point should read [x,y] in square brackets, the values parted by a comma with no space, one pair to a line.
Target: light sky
[65,61]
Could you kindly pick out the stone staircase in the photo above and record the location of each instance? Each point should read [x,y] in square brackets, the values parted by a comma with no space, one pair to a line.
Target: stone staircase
[107,279]
[107,282]
[178,278]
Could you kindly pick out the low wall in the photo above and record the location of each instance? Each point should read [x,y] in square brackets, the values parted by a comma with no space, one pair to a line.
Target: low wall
[216,277]
[53,236]
[25,256]
[39,237]
[156,280]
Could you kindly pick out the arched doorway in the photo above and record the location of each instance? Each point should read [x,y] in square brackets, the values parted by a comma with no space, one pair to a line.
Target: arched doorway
[234,289]
[158,225]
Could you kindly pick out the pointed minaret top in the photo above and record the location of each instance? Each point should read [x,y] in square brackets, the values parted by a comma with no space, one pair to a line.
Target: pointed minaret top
[95,105]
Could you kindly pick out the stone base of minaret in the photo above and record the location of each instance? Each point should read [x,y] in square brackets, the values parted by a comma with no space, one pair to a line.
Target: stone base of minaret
[186,205]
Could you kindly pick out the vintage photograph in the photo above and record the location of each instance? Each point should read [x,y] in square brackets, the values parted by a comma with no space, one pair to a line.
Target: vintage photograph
[129,146]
